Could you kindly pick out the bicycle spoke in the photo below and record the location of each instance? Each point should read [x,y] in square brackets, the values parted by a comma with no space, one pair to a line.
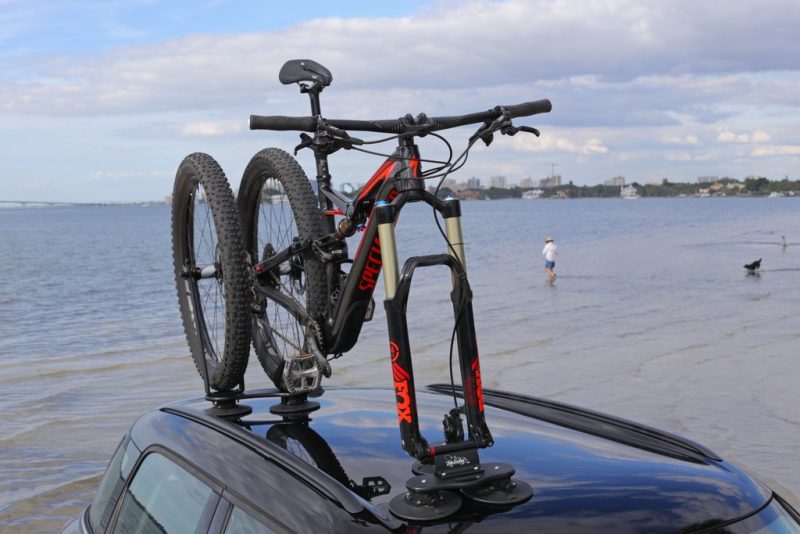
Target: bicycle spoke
[287,341]
[211,292]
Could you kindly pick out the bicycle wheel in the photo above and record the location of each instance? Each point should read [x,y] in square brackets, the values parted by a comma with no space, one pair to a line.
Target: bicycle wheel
[277,207]
[213,282]
[303,442]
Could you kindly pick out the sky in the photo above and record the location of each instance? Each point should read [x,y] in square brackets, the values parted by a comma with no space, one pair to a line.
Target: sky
[101,100]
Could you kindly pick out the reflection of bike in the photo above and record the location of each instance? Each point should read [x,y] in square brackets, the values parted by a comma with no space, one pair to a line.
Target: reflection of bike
[302,441]
[275,273]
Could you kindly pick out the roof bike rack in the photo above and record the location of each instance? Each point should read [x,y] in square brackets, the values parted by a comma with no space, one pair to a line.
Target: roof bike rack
[449,470]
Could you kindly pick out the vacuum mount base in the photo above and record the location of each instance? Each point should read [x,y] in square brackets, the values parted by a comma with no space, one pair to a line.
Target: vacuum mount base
[226,405]
[431,497]
[425,507]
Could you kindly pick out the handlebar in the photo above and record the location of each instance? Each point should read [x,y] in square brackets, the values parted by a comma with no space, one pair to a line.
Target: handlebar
[398,126]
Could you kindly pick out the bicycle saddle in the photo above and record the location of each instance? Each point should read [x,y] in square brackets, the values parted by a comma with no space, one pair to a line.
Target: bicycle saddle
[304,70]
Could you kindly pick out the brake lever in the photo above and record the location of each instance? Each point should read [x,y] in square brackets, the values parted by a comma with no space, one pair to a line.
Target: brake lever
[510,129]
[502,123]
[342,136]
[484,133]
[305,142]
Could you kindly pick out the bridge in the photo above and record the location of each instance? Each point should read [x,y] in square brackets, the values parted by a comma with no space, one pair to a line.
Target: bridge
[50,203]
[46,203]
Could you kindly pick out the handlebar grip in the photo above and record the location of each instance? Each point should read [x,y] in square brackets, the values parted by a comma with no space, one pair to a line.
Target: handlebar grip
[278,122]
[529,108]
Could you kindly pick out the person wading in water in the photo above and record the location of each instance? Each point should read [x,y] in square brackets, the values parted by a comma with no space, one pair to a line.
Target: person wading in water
[549,253]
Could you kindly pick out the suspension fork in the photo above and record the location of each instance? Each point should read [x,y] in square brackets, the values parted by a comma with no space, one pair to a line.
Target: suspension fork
[397,286]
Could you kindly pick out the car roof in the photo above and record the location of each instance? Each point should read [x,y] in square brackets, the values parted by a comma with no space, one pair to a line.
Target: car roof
[589,471]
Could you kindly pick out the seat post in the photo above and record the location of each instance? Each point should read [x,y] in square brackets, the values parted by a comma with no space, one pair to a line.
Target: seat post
[313,95]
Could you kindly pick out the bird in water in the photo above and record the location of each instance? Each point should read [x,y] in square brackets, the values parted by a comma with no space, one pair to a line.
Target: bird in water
[753,267]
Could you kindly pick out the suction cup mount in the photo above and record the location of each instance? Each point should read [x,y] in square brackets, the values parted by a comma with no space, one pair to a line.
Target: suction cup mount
[226,405]
[417,507]
[294,407]
[430,494]
[450,472]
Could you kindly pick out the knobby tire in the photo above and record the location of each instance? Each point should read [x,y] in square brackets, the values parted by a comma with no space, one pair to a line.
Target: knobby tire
[216,308]
[277,204]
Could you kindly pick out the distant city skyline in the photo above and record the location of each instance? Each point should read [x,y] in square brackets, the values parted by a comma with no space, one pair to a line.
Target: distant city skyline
[100,101]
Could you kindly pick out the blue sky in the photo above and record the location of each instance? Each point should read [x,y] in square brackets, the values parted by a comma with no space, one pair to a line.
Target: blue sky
[99,101]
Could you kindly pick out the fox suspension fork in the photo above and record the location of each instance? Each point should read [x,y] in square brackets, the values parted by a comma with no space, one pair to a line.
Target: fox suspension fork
[397,290]
[451,470]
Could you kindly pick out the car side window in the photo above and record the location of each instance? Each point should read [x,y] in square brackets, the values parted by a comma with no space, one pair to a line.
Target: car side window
[240,522]
[117,472]
[164,497]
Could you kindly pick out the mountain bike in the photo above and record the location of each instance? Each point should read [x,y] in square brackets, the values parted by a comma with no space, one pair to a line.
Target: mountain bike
[272,266]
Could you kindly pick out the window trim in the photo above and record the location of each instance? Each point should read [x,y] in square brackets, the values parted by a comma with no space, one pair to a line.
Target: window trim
[119,449]
[210,505]
[234,500]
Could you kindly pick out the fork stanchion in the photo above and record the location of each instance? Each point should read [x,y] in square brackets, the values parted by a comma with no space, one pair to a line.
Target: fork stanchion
[384,212]
[452,221]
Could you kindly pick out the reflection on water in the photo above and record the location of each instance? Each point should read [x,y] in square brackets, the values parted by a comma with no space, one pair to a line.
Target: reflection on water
[651,318]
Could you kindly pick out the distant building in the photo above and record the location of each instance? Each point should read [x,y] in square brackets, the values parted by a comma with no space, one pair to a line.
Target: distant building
[452,185]
[706,179]
[499,182]
[617,181]
[474,183]
[526,183]
[551,181]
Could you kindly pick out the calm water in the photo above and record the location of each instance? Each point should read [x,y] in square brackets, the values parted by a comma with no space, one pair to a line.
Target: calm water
[652,318]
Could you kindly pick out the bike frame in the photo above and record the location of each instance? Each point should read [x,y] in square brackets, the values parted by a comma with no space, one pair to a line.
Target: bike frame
[376,208]
[396,182]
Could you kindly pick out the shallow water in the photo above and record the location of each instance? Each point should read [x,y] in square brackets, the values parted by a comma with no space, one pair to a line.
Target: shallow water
[652,318]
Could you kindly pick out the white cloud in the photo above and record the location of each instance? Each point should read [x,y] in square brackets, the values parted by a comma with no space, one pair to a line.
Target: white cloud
[594,146]
[777,150]
[760,136]
[209,128]
[553,141]
[618,41]
[727,136]
[679,156]
[682,140]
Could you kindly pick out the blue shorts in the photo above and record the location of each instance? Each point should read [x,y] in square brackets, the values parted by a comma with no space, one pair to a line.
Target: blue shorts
[549,264]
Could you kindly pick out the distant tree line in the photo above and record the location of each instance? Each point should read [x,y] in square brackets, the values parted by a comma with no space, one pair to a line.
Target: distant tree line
[723,187]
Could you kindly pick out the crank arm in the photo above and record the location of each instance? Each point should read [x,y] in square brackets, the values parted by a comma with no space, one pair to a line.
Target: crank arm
[271,264]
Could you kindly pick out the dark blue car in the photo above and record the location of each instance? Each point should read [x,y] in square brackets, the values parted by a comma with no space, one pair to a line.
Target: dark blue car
[190,468]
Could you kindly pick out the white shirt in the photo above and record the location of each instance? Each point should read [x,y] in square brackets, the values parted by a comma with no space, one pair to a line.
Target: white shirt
[549,251]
